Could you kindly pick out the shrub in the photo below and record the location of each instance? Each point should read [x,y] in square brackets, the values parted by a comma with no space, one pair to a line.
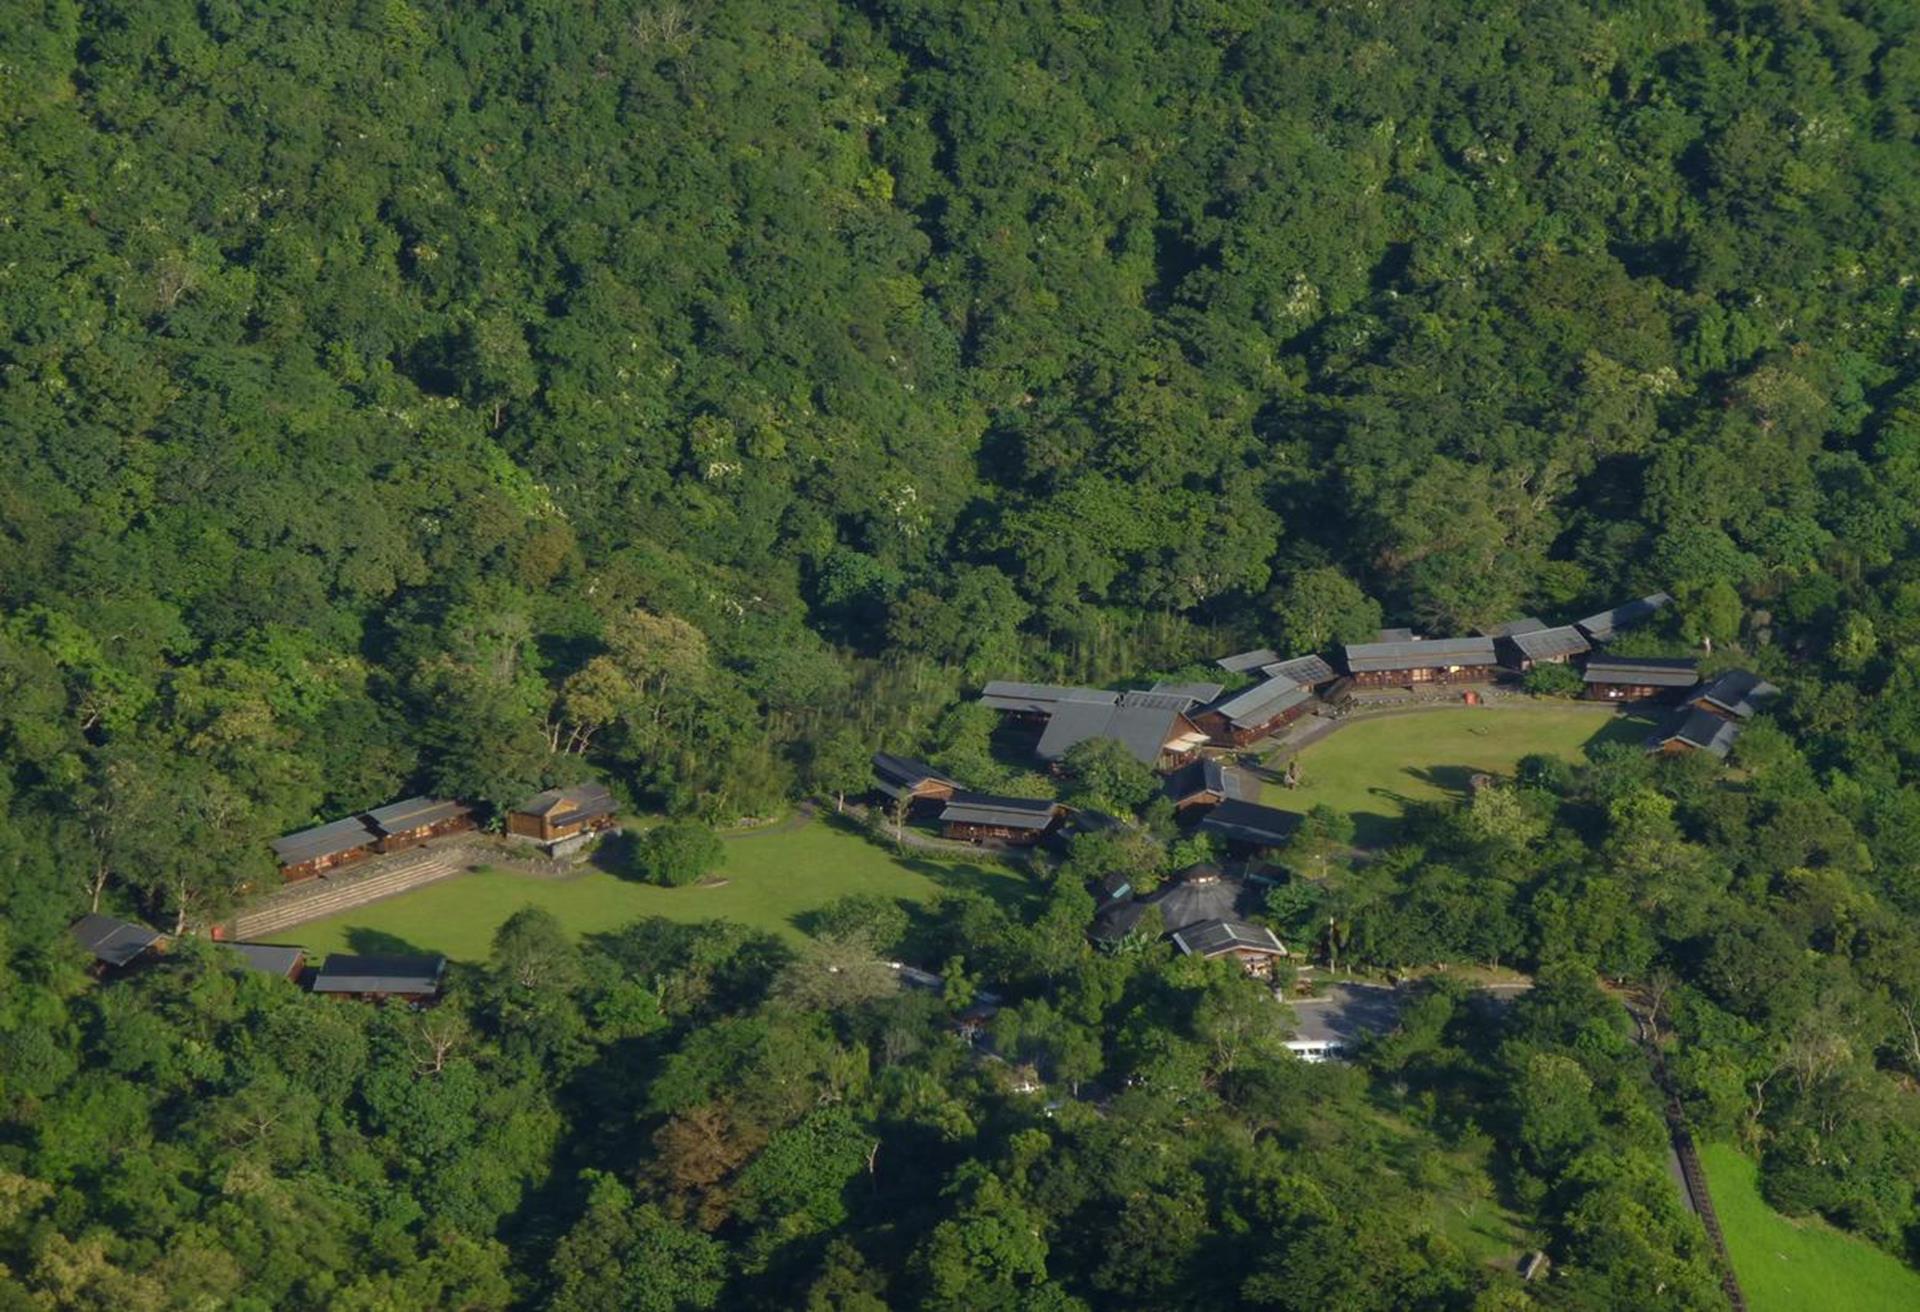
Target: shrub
[676,854]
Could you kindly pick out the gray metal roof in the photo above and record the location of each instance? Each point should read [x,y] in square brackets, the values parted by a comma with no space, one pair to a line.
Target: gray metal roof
[1210,938]
[1738,692]
[268,958]
[1546,644]
[415,813]
[379,974]
[1193,693]
[1604,625]
[330,839]
[1698,728]
[1196,779]
[897,776]
[1250,822]
[1246,662]
[1304,670]
[1142,722]
[1525,624]
[578,802]
[1653,671]
[112,940]
[1039,698]
[1262,702]
[1000,812]
[1430,654]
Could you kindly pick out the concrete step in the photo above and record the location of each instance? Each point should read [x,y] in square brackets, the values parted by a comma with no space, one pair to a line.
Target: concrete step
[297,906]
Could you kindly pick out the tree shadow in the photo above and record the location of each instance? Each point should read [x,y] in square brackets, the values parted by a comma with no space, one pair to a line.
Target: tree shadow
[614,854]
[378,942]
[1456,781]
[1631,728]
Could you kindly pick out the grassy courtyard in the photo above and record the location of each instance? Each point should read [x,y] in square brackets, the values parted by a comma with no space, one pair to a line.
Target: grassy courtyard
[1788,1265]
[1372,766]
[771,880]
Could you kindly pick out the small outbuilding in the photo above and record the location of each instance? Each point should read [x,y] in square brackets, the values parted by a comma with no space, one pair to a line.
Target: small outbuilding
[983,817]
[1639,678]
[562,813]
[1608,623]
[1201,784]
[1694,729]
[1736,694]
[416,978]
[1249,827]
[1255,947]
[902,779]
[114,944]
[400,825]
[1542,646]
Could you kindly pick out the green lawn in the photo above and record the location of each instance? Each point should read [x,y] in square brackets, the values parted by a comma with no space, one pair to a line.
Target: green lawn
[1786,1265]
[1372,766]
[772,879]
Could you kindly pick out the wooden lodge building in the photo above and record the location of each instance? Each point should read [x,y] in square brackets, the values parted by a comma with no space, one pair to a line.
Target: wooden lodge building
[1014,821]
[416,979]
[391,828]
[1522,651]
[559,814]
[1604,626]
[1248,827]
[1432,660]
[902,779]
[1694,729]
[1202,912]
[1255,947]
[400,825]
[1735,695]
[1152,726]
[1274,702]
[1201,783]
[1638,678]
[114,944]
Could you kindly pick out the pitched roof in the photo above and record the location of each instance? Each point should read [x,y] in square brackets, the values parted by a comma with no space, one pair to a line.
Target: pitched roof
[381,973]
[1737,692]
[896,776]
[1653,671]
[1210,938]
[1697,728]
[1262,702]
[999,812]
[1544,644]
[1196,779]
[1039,698]
[1142,722]
[415,813]
[1525,624]
[268,958]
[577,802]
[112,940]
[1249,822]
[1304,670]
[1432,653]
[1195,693]
[1604,625]
[1246,662]
[330,839]
[1195,896]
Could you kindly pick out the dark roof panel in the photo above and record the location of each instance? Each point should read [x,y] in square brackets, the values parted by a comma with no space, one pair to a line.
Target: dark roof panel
[1192,693]
[268,958]
[1652,671]
[1433,653]
[111,940]
[330,839]
[379,974]
[1262,702]
[1039,698]
[1210,938]
[1549,644]
[1697,728]
[580,801]
[1512,628]
[415,813]
[1604,625]
[1738,692]
[1307,671]
[1143,722]
[1246,662]
[999,812]
[900,775]
[1250,822]
[1196,779]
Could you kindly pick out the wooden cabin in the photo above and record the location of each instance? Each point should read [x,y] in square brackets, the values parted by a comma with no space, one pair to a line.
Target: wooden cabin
[1603,626]
[1542,646]
[1433,660]
[1255,947]
[1694,729]
[1248,827]
[984,818]
[415,979]
[561,813]
[1734,695]
[1245,717]
[400,825]
[1196,786]
[1153,726]
[901,778]
[114,944]
[1638,678]
[325,847]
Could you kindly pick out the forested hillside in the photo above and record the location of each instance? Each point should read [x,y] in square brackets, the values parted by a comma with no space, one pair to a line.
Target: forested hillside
[416,395]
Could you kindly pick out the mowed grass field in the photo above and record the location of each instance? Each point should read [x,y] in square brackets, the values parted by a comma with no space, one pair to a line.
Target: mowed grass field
[1372,766]
[772,880]
[1786,1265]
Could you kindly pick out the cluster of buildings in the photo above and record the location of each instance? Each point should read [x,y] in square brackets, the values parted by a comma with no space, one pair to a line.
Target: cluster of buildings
[121,947]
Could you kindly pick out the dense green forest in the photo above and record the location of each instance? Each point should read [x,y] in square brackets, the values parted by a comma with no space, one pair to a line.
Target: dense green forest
[403,394]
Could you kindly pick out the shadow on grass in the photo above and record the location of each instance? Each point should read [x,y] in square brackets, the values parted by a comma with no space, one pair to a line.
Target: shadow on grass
[375,942]
[1632,728]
